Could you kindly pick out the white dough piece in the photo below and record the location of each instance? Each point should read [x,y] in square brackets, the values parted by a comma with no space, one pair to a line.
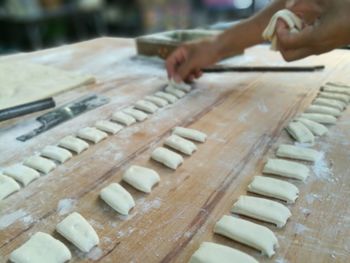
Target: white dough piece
[78,231]
[334,96]
[74,144]
[7,186]
[298,153]
[123,118]
[117,198]
[316,128]
[141,178]
[286,169]
[56,153]
[180,144]
[92,134]
[108,126]
[176,92]
[146,106]
[168,97]
[247,233]
[320,118]
[190,134]
[275,188]
[334,89]
[167,157]
[40,164]
[324,110]
[137,114]
[300,132]
[181,86]
[262,209]
[22,173]
[338,84]
[330,103]
[41,248]
[156,100]
[209,252]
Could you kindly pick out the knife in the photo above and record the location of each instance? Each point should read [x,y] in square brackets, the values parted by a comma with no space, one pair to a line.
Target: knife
[219,68]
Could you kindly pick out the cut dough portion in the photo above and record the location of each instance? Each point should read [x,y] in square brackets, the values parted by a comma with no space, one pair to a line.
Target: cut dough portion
[247,233]
[146,106]
[92,134]
[168,97]
[334,96]
[315,127]
[181,86]
[74,144]
[108,126]
[334,89]
[299,132]
[167,157]
[190,134]
[141,178]
[337,84]
[176,92]
[40,164]
[330,103]
[180,144]
[320,118]
[137,114]
[324,110]
[286,169]
[214,253]
[123,118]
[78,231]
[299,153]
[7,186]
[262,209]
[118,198]
[275,188]
[156,100]
[56,153]
[22,174]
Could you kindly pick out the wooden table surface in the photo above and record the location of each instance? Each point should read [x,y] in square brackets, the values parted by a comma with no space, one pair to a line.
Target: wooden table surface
[244,115]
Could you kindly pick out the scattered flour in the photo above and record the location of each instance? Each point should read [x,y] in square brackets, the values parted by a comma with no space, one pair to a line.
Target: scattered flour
[95,254]
[300,229]
[66,206]
[9,219]
[322,170]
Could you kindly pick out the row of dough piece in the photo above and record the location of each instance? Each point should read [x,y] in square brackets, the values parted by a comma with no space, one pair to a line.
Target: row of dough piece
[29,171]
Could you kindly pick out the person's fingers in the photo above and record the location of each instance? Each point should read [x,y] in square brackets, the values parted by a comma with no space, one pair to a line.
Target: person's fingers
[185,69]
[175,59]
[295,54]
[307,10]
[287,40]
[198,73]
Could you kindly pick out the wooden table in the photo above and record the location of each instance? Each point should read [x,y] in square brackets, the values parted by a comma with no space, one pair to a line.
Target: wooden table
[244,115]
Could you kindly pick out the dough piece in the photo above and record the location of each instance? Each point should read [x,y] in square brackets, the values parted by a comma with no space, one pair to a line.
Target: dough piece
[123,118]
[181,86]
[108,126]
[176,92]
[40,164]
[299,132]
[338,84]
[156,100]
[214,253]
[275,188]
[330,103]
[286,169]
[22,174]
[92,134]
[334,96]
[262,209]
[180,144]
[41,248]
[141,178]
[190,134]
[334,89]
[146,106]
[167,157]
[7,186]
[56,153]
[78,231]
[74,144]
[247,233]
[137,114]
[315,127]
[118,198]
[324,110]
[168,97]
[299,153]
[320,118]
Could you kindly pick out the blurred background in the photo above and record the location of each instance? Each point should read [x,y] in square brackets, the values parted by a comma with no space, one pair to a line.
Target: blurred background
[27,25]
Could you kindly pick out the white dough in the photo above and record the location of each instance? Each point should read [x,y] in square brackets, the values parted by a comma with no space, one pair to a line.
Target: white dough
[176,92]
[320,118]
[146,106]
[74,144]
[108,126]
[190,134]
[7,186]
[22,173]
[78,231]
[300,132]
[141,178]
[40,164]
[117,198]
[275,188]
[56,153]
[338,84]
[299,153]
[316,128]
[333,89]
[324,110]
[214,253]
[286,169]
[41,248]
[181,86]
[137,114]
[180,144]
[156,100]
[167,157]
[334,96]
[123,118]
[330,103]
[262,209]
[247,233]
[92,134]
[168,97]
